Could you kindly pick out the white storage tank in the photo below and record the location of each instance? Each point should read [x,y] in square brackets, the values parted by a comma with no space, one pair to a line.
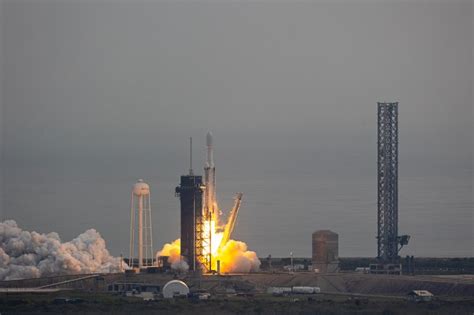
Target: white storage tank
[303,290]
[175,288]
[279,290]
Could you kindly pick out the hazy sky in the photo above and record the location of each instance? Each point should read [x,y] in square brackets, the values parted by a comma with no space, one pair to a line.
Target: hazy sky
[289,89]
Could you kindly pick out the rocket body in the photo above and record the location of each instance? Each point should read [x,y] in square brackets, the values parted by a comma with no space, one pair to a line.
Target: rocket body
[210,208]
[210,148]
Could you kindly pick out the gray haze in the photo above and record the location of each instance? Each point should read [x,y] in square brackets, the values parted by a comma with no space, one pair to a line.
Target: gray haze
[99,93]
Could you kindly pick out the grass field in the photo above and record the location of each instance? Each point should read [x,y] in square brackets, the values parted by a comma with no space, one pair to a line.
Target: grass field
[90,303]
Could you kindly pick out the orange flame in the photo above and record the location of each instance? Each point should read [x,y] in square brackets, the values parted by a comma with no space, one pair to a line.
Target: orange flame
[233,255]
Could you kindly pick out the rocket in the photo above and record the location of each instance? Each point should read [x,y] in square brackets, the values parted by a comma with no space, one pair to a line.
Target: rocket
[210,203]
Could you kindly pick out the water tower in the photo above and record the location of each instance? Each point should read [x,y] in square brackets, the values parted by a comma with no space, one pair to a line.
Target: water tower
[141,240]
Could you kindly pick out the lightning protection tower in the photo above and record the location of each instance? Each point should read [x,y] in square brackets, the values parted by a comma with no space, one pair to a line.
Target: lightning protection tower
[141,241]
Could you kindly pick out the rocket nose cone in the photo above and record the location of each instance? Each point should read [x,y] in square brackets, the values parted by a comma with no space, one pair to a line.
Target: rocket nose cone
[209,139]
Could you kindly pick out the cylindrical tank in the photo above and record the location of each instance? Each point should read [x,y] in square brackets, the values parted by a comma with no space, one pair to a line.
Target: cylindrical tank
[325,251]
[304,290]
[279,290]
[175,288]
[141,188]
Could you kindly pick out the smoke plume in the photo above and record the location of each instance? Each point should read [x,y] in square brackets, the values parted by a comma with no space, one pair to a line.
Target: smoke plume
[26,254]
[173,251]
[235,257]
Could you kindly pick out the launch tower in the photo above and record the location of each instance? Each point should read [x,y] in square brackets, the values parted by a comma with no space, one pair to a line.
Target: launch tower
[190,193]
[202,234]
[388,240]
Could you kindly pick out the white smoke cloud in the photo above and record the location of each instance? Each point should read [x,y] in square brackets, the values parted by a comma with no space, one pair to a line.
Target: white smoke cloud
[172,250]
[235,257]
[26,254]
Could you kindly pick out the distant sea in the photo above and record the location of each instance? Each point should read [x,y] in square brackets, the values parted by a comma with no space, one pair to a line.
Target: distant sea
[277,217]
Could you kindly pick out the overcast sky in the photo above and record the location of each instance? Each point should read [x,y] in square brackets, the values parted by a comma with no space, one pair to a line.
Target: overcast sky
[288,87]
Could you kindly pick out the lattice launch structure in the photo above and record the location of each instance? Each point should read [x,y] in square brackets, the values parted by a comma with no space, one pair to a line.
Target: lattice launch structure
[388,241]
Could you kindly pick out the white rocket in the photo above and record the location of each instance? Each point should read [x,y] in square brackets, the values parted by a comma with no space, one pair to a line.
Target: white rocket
[210,181]
[211,209]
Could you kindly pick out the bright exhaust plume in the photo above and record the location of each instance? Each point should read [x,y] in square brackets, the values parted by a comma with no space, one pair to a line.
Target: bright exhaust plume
[234,257]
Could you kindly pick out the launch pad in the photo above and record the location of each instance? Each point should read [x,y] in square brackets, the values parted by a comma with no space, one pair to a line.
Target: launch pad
[203,234]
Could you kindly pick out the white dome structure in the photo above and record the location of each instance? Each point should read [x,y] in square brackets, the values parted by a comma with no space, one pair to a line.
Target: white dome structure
[175,288]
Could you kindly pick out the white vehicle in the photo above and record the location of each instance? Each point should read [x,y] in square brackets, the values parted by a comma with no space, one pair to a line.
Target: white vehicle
[146,296]
[204,296]
[362,269]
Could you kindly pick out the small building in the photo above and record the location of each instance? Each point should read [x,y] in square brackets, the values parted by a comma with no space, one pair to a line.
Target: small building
[386,269]
[134,287]
[420,296]
[175,288]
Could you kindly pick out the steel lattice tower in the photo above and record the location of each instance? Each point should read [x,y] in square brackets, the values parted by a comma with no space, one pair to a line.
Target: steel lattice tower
[387,192]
